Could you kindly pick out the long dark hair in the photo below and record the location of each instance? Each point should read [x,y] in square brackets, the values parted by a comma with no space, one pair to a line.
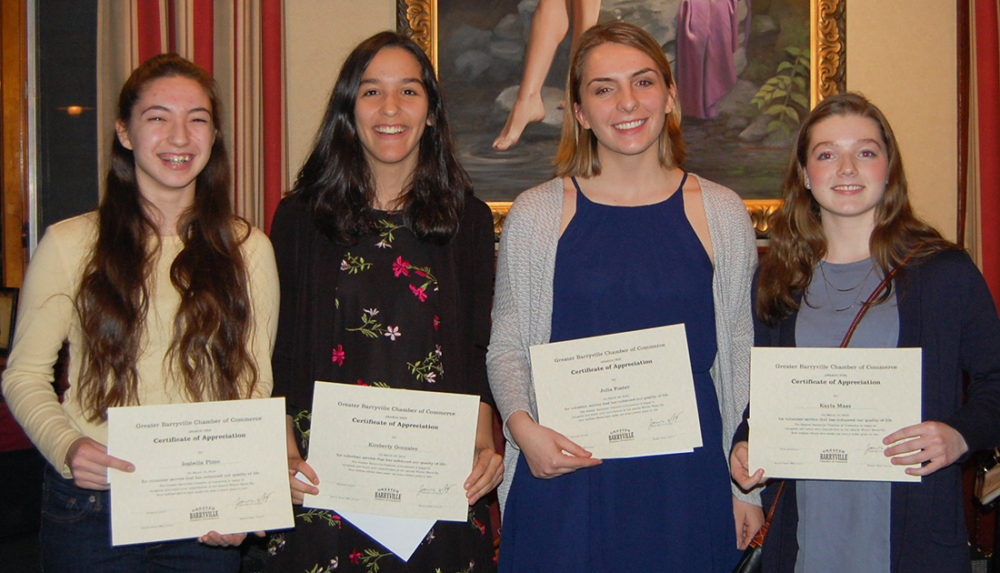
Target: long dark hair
[337,181]
[797,241]
[577,155]
[208,351]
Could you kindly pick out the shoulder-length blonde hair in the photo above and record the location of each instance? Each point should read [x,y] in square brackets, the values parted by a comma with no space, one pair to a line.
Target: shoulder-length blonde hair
[577,155]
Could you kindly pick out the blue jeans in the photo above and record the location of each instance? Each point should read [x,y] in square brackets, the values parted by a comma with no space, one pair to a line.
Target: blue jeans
[76,536]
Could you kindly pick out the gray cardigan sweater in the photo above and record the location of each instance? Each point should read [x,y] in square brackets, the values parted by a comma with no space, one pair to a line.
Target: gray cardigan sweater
[522,305]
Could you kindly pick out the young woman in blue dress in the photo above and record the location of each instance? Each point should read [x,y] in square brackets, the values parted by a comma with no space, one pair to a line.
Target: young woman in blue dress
[623,239]
[846,222]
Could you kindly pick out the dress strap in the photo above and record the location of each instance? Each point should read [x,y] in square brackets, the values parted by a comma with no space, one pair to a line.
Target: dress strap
[579,191]
[683,181]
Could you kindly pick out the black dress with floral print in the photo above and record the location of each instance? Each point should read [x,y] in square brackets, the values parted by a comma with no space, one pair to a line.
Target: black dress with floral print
[386,332]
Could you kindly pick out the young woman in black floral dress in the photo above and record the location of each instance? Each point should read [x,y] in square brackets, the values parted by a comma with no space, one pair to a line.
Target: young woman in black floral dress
[386,267]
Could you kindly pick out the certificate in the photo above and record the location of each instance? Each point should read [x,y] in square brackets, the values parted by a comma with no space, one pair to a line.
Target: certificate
[619,395]
[206,466]
[821,413]
[392,452]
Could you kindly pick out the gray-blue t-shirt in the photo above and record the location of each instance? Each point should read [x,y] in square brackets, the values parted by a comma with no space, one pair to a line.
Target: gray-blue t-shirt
[844,525]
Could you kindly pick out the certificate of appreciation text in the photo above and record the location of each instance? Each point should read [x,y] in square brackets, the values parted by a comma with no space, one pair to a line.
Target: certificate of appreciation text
[620,395]
[200,467]
[821,413]
[392,452]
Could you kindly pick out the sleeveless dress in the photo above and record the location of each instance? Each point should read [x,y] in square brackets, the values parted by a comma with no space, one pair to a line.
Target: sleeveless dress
[386,333]
[619,269]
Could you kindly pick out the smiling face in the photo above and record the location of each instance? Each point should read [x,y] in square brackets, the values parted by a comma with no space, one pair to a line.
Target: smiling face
[623,101]
[170,133]
[391,110]
[846,168]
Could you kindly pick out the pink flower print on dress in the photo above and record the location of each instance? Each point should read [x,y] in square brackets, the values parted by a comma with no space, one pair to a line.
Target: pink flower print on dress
[437,322]
[355,557]
[361,382]
[400,267]
[420,293]
[338,355]
[392,333]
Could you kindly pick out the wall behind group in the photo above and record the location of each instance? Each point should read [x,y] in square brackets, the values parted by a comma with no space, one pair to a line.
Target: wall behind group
[901,55]
[319,35]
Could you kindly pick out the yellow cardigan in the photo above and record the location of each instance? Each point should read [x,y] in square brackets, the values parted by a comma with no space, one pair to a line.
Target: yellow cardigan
[47,317]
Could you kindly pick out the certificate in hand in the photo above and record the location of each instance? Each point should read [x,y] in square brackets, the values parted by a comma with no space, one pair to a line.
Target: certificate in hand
[821,413]
[200,467]
[392,452]
[620,395]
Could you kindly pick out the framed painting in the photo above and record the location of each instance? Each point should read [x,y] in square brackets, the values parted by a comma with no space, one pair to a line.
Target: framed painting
[781,58]
[8,312]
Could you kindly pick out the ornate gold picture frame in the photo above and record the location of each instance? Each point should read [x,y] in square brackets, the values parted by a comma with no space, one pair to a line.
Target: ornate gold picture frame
[828,51]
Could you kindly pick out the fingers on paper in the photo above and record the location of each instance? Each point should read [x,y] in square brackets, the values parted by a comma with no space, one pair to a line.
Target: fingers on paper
[486,475]
[739,468]
[222,539]
[302,479]
[89,461]
[929,446]
[303,471]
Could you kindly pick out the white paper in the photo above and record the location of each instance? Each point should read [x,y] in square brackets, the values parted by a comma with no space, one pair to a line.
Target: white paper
[206,466]
[392,452]
[620,395]
[821,413]
[401,535]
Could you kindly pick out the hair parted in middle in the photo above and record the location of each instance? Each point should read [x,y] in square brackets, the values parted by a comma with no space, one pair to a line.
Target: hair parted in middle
[577,155]
[797,241]
[336,180]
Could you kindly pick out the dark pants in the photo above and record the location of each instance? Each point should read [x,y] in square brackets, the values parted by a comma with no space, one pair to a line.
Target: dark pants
[76,536]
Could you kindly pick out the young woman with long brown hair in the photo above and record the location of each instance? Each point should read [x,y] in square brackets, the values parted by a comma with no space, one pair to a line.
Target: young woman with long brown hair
[846,223]
[164,296]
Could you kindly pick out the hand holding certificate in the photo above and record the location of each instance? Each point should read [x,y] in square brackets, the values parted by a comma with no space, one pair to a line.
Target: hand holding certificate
[822,413]
[198,467]
[391,452]
[620,395]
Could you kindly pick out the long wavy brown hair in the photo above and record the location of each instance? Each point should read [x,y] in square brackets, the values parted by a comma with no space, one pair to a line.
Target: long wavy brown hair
[797,242]
[577,155]
[208,352]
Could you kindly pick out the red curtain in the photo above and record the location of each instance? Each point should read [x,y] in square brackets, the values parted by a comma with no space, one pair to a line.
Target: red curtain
[987,70]
[240,43]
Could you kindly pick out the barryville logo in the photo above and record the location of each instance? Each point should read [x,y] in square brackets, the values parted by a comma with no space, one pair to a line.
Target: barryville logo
[204,512]
[833,455]
[620,435]
[388,494]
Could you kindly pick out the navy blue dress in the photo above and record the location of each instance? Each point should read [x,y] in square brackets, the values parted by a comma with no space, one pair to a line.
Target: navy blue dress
[619,269]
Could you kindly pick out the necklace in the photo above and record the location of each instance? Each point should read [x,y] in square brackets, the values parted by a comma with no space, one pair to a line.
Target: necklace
[828,285]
